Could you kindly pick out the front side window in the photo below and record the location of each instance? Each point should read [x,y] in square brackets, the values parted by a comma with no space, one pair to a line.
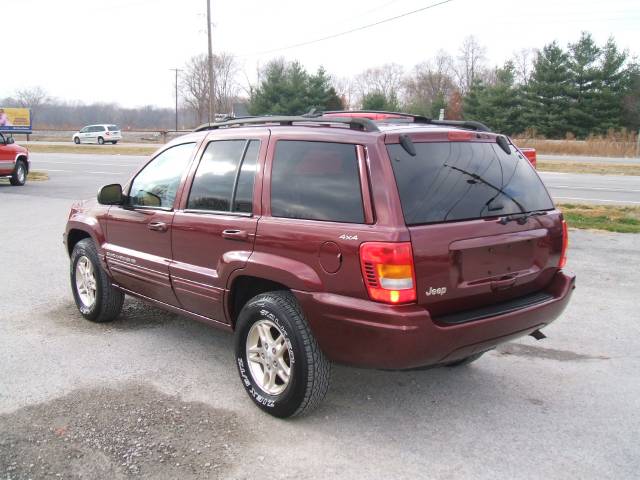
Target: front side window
[157,184]
[316,181]
[225,177]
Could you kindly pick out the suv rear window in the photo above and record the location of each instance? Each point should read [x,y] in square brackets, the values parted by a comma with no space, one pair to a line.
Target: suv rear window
[113,128]
[449,181]
[316,181]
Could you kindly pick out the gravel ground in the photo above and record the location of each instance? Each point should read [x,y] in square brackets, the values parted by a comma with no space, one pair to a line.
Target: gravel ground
[72,392]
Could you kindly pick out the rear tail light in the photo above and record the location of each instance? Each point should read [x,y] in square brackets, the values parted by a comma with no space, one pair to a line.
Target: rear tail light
[565,244]
[387,269]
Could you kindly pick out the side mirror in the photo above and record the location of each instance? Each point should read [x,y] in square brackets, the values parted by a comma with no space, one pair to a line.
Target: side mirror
[10,140]
[111,195]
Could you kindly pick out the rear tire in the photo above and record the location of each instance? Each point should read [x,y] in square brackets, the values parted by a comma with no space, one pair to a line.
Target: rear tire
[76,140]
[95,298]
[465,361]
[19,177]
[114,142]
[279,361]
[100,141]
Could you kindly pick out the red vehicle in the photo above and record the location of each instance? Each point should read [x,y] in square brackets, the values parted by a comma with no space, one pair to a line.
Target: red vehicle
[330,239]
[14,160]
[531,154]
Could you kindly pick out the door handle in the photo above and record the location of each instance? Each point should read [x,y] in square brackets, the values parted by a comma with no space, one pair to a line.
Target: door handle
[157,226]
[235,234]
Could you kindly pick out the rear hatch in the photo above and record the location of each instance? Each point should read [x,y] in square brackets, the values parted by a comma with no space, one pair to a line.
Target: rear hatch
[483,228]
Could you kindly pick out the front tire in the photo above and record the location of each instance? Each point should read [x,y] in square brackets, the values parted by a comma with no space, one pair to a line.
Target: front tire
[19,177]
[279,361]
[76,140]
[95,298]
[100,141]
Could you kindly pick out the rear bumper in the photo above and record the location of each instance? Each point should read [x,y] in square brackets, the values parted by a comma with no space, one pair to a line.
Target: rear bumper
[368,334]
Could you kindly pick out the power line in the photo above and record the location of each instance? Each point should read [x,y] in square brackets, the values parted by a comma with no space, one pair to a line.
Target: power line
[346,32]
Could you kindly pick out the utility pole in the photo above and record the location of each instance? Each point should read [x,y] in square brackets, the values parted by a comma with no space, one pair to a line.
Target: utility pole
[176,70]
[212,108]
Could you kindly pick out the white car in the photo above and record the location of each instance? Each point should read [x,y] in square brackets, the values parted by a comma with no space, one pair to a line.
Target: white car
[98,134]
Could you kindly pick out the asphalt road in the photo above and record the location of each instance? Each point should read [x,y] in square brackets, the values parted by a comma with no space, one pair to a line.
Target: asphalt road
[77,176]
[153,395]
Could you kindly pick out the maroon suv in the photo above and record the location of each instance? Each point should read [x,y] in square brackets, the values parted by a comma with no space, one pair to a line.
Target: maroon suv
[393,244]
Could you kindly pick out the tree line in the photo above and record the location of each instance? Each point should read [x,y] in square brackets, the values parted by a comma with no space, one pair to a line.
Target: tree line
[558,92]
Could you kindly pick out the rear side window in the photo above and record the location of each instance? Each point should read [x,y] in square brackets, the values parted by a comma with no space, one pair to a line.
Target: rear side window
[449,181]
[316,181]
[113,128]
[225,177]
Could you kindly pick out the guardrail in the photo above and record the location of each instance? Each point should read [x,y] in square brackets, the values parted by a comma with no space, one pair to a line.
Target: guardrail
[128,136]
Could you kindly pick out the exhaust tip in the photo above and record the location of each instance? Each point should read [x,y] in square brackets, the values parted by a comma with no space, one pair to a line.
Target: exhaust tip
[538,335]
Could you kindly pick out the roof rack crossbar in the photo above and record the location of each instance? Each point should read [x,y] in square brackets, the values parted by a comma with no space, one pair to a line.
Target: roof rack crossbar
[356,123]
[468,124]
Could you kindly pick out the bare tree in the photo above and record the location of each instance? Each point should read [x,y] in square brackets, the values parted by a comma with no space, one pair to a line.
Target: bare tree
[471,63]
[386,80]
[431,83]
[195,84]
[345,88]
[523,63]
[32,97]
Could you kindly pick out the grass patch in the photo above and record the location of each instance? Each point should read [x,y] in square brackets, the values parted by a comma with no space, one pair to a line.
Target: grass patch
[93,149]
[602,217]
[614,144]
[35,176]
[598,168]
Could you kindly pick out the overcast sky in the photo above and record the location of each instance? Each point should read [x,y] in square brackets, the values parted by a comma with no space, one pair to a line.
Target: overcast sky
[121,50]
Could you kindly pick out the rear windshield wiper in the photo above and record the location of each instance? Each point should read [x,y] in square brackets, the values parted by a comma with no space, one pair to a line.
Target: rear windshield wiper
[478,178]
[521,218]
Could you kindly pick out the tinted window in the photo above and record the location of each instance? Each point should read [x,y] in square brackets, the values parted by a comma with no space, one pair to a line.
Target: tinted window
[316,181]
[113,128]
[157,184]
[244,192]
[217,174]
[464,180]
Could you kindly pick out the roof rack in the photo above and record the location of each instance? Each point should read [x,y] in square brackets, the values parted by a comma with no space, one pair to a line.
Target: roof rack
[468,124]
[355,123]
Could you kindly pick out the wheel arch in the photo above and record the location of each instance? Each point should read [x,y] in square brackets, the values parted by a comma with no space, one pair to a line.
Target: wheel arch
[21,157]
[74,235]
[243,288]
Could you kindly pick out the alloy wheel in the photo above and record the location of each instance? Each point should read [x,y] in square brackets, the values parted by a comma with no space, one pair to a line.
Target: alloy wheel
[86,284]
[269,357]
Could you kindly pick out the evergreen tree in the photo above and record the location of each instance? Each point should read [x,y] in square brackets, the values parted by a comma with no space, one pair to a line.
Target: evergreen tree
[379,101]
[288,89]
[613,82]
[500,105]
[547,94]
[584,56]
[321,94]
